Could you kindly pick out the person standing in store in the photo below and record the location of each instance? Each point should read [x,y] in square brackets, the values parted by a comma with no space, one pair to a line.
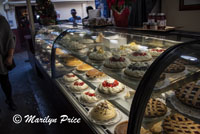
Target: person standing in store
[74,18]
[7,46]
[87,10]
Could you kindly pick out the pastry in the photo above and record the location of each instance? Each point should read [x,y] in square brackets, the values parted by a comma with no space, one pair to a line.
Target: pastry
[129,94]
[74,45]
[70,77]
[111,87]
[140,56]
[89,96]
[84,67]
[94,73]
[155,52]
[137,69]
[87,41]
[175,68]
[160,81]
[189,94]
[104,111]
[157,128]
[78,86]
[155,108]
[123,126]
[116,62]
[73,62]
[99,38]
[59,51]
[186,62]
[99,55]
[178,124]
[133,46]
[122,51]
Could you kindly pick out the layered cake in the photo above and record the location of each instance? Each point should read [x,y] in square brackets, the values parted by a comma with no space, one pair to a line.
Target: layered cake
[78,86]
[74,45]
[94,73]
[73,62]
[89,96]
[189,94]
[140,56]
[99,55]
[179,124]
[155,52]
[70,77]
[116,62]
[84,67]
[137,69]
[123,126]
[155,108]
[175,68]
[122,51]
[104,111]
[111,87]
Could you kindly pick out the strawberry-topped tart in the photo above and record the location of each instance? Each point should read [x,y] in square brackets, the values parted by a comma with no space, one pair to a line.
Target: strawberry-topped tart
[155,52]
[70,77]
[140,56]
[89,96]
[116,62]
[111,87]
[78,86]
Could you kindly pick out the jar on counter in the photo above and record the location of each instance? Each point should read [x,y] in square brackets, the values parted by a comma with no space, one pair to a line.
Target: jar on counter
[146,25]
[151,18]
[154,26]
[162,21]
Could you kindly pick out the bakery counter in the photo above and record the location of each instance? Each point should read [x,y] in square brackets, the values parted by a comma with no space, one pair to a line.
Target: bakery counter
[123,82]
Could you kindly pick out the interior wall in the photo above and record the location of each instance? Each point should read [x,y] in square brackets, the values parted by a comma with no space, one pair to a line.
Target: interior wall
[188,20]
[64,8]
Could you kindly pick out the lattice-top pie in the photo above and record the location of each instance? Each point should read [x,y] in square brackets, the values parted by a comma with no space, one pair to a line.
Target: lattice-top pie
[178,124]
[175,68]
[189,94]
[155,108]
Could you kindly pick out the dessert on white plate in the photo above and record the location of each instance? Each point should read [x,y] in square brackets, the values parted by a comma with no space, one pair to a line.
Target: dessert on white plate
[116,62]
[137,69]
[89,96]
[111,87]
[140,56]
[78,86]
[155,52]
[99,55]
[70,77]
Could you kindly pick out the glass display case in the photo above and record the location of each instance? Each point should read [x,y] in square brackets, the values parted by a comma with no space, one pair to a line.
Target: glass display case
[112,77]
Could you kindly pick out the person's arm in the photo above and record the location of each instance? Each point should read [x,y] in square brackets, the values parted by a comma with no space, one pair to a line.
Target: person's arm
[10,56]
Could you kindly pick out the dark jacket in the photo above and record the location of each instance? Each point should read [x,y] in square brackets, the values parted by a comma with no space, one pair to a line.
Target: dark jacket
[6,43]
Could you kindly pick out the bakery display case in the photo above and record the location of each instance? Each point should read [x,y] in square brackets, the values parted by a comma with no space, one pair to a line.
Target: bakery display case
[126,83]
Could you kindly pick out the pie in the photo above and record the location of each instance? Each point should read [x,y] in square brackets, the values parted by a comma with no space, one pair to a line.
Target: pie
[84,67]
[178,124]
[140,56]
[94,73]
[157,128]
[104,111]
[73,62]
[155,52]
[123,126]
[189,94]
[116,62]
[155,108]
[175,68]
[185,62]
